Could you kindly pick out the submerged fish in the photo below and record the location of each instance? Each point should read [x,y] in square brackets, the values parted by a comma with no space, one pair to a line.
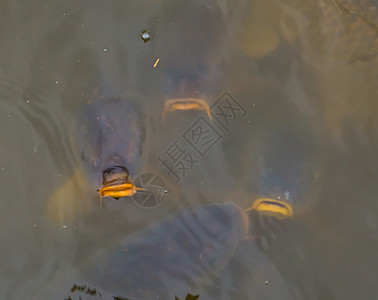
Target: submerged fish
[336,46]
[111,134]
[190,64]
[277,160]
[284,173]
[172,257]
[263,28]
[344,26]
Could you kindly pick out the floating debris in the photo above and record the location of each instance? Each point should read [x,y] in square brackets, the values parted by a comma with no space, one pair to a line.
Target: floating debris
[145,35]
[156,63]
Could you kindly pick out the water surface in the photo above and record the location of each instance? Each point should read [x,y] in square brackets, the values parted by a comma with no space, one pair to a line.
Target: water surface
[305,73]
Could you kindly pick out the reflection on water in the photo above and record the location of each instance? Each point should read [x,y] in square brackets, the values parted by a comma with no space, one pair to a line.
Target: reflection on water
[304,72]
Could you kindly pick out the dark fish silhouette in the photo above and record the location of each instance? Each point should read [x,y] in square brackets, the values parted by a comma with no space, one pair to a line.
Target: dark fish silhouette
[172,257]
[111,134]
[190,64]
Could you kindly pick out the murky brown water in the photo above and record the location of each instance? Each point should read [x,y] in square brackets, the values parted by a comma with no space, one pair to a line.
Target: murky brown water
[303,77]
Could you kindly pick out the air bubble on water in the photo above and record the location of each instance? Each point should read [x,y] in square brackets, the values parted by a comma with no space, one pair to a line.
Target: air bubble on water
[35,149]
[64,226]
[10,116]
[28,101]
[3,169]
[145,36]
[35,225]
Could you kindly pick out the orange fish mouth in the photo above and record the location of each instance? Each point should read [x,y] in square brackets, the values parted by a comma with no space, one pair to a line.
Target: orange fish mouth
[272,207]
[186,104]
[118,190]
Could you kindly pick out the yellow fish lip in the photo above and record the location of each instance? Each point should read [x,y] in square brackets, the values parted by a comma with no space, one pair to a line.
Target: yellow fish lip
[118,190]
[272,207]
[186,104]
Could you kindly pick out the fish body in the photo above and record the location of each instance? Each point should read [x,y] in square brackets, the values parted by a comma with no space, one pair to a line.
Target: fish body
[285,171]
[334,29]
[277,161]
[190,62]
[111,135]
[335,44]
[172,257]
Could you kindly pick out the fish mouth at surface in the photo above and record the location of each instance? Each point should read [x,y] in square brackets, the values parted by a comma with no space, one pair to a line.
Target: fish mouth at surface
[272,207]
[186,104]
[116,184]
[118,190]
